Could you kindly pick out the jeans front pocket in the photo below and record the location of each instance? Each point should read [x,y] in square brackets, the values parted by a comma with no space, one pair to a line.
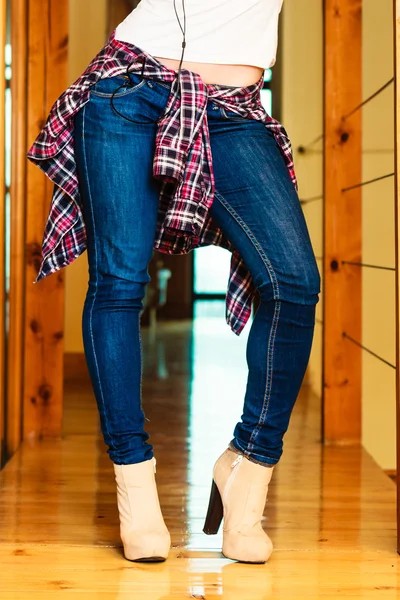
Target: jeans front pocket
[118,85]
[230,115]
[140,100]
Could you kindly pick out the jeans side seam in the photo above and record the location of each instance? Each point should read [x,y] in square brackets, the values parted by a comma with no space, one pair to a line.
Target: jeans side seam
[141,361]
[268,382]
[96,279]
[274,327]
[250,235]
[251,457]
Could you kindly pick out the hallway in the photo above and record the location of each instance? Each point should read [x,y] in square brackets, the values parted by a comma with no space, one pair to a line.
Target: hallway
[331,511]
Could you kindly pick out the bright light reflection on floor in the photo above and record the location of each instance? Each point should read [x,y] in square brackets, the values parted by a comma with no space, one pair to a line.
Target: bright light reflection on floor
[205,576]
[218,388]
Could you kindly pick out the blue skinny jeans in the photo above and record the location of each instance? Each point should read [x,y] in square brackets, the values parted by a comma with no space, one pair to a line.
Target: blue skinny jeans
[257,208]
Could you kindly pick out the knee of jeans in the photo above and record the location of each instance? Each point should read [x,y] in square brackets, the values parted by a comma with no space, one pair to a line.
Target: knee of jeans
[121,292]
[312,283]
[302,285]
[267,291]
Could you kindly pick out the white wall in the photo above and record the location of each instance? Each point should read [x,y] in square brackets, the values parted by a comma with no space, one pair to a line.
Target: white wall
[379,408]
[302,114]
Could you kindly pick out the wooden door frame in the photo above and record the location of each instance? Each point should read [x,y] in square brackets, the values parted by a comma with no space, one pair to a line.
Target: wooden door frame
[34,362]
[15,354]
[47,78]
[396,37]
[341,420]
[117,10]
[3,298]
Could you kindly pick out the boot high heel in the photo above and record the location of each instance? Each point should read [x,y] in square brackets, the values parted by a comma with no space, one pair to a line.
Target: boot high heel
[144,534]
[238,495]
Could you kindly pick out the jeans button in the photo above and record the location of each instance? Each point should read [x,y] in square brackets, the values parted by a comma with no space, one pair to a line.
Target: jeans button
[215,107]
[150,84]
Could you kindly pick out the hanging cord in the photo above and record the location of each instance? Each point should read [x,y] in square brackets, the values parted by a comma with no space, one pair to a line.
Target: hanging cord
[130,84]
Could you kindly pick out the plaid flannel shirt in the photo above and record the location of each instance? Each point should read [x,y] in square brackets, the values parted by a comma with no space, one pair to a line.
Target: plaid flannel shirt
[182,161]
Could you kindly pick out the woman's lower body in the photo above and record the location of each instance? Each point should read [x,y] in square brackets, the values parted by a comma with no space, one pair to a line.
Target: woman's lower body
[258,210]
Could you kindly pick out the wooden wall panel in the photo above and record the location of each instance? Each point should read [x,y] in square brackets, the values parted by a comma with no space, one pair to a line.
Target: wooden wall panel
[15,372]
[396,5]
[44,321]
[2,236]
[342,222]
[118,10]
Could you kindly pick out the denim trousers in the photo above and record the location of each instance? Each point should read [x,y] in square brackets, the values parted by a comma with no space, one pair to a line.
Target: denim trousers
[257,208]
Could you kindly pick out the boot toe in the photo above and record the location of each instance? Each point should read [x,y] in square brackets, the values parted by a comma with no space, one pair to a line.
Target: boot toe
[147,546]
[244,549]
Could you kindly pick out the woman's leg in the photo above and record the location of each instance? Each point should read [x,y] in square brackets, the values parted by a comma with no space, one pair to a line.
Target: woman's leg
[119,202]
[258,209]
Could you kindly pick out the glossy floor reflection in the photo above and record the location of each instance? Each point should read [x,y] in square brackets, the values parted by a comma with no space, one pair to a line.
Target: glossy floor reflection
[219,372]
[331,511]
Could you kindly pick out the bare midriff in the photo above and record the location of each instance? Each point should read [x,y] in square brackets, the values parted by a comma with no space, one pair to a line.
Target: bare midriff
[233,75]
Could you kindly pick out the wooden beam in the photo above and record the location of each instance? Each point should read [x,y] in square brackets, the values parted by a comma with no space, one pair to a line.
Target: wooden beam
[342,222]
[396,20]
[117,10]
[44,320]
[15,370]
[3,290]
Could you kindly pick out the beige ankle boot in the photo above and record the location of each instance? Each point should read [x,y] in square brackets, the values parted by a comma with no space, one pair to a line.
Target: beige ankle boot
[238,494]
[143,532]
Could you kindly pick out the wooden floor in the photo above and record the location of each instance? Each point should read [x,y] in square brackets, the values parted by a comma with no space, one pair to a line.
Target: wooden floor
[331,511]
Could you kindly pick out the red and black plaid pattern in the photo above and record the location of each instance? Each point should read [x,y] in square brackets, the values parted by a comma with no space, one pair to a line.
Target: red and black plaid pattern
[182,161]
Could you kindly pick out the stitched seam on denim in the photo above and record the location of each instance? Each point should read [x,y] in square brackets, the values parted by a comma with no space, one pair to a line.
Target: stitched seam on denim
[167,86]
[252,456]
[121,94]
[141,361]
[229,118]
[268,383]
[263,256]
[96,280]
[260,462]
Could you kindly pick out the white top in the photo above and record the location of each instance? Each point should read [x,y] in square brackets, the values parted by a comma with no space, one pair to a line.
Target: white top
[241,32]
